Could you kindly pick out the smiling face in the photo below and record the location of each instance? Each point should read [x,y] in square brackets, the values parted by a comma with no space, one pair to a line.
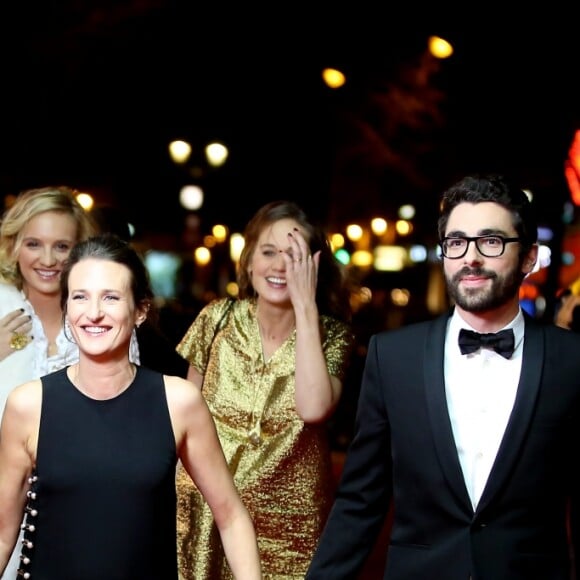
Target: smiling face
[101,311]
[45,244]
[267,267]
[476,283]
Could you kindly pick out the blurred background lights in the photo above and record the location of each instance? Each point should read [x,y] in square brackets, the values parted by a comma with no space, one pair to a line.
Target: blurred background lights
[407,212]
[544,257]
[439,47]
[209,241]
[202,256]
[354,232]
[336,241]
[362,258]
[403,227]
[216,154]
[163,268]
[191,197]
[568,258]
[545,234]
[379,226]
[179,151]
[342,256]
[220,232]
[236,246]
[417,253]
[85,200]
[400,296]
[333,78]
[390,258]
[232,288]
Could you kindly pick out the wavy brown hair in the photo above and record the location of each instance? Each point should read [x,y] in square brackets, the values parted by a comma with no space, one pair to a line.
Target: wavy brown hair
[332,291]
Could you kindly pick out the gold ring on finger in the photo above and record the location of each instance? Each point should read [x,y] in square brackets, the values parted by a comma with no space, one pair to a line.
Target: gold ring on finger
[18,341]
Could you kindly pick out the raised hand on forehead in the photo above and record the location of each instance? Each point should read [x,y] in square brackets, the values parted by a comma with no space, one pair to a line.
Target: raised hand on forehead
[301,269]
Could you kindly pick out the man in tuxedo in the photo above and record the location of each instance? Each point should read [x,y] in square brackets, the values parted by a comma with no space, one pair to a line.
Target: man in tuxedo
[468,425]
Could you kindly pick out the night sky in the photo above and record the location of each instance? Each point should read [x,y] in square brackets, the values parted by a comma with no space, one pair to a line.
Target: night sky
[93,91]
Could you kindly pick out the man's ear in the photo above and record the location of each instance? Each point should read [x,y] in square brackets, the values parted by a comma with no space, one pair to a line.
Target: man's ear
[530,259]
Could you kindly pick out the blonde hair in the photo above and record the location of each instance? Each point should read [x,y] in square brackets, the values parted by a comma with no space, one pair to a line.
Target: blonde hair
[29,204]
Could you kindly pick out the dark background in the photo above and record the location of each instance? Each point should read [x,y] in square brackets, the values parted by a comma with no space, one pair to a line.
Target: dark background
[92,92]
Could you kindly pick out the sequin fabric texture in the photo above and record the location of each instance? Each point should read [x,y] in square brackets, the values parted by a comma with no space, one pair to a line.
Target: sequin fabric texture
[281,467]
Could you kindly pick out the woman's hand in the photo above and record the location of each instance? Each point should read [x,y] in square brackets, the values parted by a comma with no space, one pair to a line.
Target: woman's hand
[301,270]
[14,329]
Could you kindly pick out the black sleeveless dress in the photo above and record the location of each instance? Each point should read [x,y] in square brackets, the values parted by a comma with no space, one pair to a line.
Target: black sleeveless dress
[102,499]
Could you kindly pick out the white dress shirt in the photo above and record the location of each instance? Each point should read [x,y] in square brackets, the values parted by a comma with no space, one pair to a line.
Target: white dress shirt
[480,389]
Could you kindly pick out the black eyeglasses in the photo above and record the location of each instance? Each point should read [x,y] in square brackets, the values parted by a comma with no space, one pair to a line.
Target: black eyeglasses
[489,246]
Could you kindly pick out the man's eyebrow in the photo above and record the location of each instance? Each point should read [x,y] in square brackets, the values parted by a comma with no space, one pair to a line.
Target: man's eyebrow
[482,232]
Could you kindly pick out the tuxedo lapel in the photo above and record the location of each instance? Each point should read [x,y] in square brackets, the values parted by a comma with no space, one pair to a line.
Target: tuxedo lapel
[440,423]
[518,424]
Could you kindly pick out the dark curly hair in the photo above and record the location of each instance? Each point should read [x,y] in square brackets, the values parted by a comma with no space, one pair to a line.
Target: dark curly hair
[497,189]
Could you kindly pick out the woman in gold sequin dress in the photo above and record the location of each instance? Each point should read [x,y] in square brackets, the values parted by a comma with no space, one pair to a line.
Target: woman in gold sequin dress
[271,366]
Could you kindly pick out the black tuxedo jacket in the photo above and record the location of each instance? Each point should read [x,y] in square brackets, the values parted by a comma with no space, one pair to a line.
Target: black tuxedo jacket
[403,455]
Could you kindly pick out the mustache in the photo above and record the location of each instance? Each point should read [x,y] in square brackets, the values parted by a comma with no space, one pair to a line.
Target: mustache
[467,271]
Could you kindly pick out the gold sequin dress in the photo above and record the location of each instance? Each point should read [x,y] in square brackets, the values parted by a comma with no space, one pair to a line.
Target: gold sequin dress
[282,467]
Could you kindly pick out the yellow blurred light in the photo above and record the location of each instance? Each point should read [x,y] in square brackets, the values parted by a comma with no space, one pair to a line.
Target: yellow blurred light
[354,232]
[390,258]
[336,241]
[379,226]
[220,232]
[209,241]
[232,288]
[179,151]
[202,256]
[359,298]
[439,47]
[365,294]
[86,201]
[400,296]
[403,227]
[216,154]
[361,258]
[237,243]
[333,78]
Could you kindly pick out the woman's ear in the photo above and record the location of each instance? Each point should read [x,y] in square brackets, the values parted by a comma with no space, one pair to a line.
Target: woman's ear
[142,316]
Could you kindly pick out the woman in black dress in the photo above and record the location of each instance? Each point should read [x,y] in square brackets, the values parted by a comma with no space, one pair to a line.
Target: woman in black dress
[90,451]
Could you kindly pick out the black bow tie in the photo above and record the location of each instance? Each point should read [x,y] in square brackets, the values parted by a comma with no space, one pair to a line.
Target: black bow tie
[502,342]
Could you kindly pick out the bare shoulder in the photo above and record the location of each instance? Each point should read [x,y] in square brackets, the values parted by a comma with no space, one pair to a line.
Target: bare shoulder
[25,398]
[23,408]
[181,392]
[187,407]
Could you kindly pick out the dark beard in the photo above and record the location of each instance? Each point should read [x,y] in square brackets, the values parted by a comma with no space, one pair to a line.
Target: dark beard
[502,291]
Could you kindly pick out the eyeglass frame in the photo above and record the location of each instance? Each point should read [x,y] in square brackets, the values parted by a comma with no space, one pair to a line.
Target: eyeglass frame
[475,240]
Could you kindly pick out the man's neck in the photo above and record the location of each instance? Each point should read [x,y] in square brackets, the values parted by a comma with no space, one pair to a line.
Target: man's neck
[490,320]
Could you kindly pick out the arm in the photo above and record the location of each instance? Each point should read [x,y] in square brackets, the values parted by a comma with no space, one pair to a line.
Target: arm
[317,393]
[17,449]
[194,376]
[202,457]
[363,496]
